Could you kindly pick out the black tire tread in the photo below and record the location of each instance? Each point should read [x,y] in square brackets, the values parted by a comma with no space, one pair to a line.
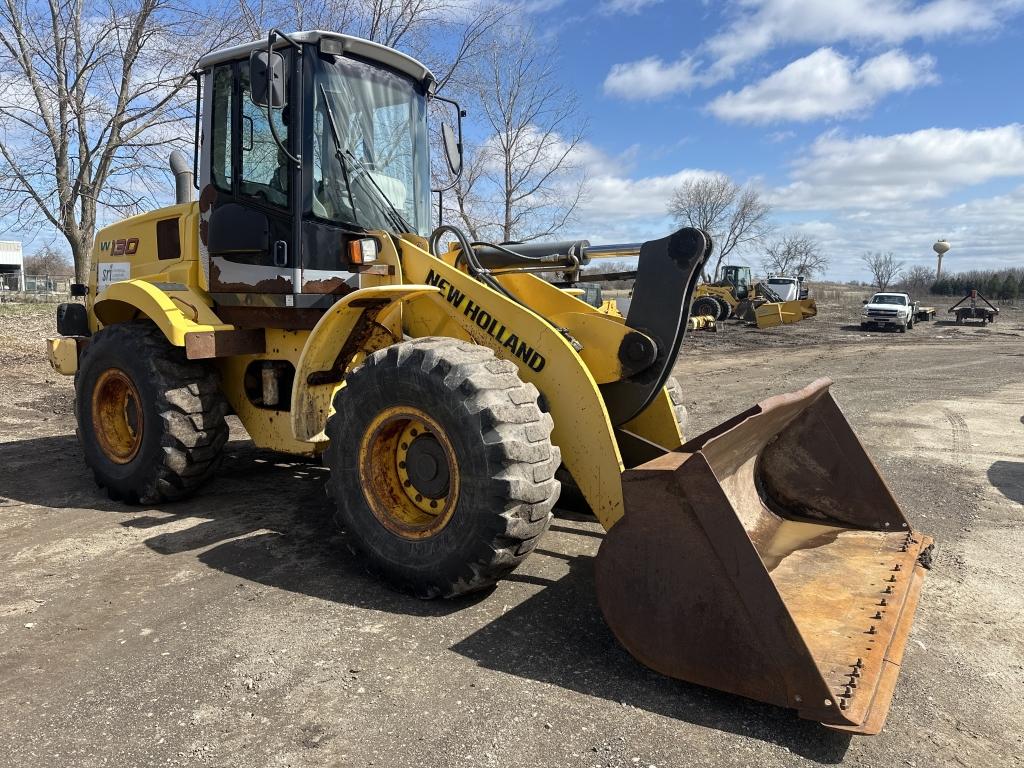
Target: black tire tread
[191,407]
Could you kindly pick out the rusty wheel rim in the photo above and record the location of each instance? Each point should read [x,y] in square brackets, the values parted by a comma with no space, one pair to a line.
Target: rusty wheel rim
[117,416]
[408,472]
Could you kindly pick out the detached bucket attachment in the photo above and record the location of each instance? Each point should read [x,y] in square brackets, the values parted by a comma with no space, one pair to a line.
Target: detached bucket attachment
[768,558]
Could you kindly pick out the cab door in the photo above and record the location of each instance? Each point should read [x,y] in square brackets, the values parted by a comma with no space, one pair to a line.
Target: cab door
[248,201]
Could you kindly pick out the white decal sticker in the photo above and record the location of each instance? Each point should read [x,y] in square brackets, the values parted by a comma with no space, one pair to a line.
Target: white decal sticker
[108,272]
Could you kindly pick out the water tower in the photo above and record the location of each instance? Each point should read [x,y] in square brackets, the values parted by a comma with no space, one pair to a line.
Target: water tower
[940,248]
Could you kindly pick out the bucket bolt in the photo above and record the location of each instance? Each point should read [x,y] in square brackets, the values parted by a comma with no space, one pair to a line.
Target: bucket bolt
[878,615]
[872,630]
[898,567]
[888,590]
[891,579]
[883,602]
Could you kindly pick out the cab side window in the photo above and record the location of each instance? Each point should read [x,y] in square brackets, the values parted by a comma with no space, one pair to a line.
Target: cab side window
[264,167]
[222,145]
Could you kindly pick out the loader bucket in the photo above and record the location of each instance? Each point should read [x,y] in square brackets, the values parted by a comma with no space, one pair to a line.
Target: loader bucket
[768,315]
[768,558]
[808,307]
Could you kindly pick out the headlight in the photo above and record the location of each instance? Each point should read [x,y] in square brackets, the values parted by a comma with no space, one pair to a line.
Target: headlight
[362,251]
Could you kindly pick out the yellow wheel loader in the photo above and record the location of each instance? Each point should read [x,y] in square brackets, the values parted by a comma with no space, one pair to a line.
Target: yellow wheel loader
[737,295]
[444,383]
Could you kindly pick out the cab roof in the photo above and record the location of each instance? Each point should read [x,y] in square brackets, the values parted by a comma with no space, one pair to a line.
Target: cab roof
[357,46]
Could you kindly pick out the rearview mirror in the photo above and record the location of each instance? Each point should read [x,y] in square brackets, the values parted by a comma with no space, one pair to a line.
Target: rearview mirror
[452,149]
[267,79]
[864,302]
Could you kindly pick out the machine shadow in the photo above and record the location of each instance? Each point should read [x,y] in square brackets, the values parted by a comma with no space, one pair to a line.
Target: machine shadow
[264,517]
[1008,478]
[558,636]
[49,472]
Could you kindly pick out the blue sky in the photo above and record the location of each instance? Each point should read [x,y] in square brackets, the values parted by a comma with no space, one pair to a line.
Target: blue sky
[869,124]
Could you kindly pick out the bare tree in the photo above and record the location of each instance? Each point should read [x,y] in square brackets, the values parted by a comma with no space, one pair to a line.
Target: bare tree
[523,181]
[884,268]
[94,95]
[917,281]
[48,261]
[794,255]
[735,216]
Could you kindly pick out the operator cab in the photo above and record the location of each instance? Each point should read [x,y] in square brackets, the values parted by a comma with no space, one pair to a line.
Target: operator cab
[308,144]
[739,278]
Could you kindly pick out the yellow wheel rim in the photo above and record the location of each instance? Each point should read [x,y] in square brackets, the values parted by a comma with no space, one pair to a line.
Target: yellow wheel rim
[117,416]
[408,472]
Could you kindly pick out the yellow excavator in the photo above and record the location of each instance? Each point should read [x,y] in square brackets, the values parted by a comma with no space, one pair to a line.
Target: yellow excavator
[444,383]
[737,295]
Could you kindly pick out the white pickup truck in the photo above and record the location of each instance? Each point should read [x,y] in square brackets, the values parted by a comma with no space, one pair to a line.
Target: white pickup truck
[889,310]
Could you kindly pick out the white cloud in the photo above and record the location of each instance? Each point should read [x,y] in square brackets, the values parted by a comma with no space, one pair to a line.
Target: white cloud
[765,24]
[611,7]
[877,172]
[824,84]
[759,26]
[651,78]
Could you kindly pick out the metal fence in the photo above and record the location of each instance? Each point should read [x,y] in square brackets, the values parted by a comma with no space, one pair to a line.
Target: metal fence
[35,288]
[36,283]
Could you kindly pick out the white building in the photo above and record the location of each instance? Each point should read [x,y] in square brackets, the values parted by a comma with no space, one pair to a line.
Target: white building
[12,265]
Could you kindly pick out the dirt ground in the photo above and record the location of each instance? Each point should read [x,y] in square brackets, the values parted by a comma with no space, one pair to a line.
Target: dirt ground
[236,630]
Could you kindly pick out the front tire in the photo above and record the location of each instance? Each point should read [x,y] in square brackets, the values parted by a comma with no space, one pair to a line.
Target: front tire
[442,467]
[150,421]
[724,310]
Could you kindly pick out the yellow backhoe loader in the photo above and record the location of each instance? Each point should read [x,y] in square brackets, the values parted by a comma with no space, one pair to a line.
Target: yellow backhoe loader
[737,295]
[444,383]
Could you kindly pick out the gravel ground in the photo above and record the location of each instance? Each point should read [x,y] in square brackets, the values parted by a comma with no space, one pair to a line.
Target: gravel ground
[235,629]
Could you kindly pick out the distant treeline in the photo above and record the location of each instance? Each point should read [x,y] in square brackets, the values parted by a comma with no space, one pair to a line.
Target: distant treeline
[1005,285]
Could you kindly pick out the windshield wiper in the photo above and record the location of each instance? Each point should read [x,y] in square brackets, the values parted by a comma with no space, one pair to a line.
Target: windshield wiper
[338,154]
[383,202]
[388,208]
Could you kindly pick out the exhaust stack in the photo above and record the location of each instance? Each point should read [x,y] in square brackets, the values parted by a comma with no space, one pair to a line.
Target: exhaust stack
[182,170]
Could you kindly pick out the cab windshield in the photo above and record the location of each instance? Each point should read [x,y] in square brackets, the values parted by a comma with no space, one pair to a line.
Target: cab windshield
[888,298]
[370,152]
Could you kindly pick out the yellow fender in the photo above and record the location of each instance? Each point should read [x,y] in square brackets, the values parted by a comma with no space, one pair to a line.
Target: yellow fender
[334,341]
[582,429]
[176,312]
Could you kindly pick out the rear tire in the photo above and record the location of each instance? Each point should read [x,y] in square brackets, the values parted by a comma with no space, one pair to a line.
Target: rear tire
[150,421]
[467,507]
[705,305]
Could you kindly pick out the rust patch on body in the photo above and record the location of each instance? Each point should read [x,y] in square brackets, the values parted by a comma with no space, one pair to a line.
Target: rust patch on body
[207,198]
[335,286]
[278,284]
